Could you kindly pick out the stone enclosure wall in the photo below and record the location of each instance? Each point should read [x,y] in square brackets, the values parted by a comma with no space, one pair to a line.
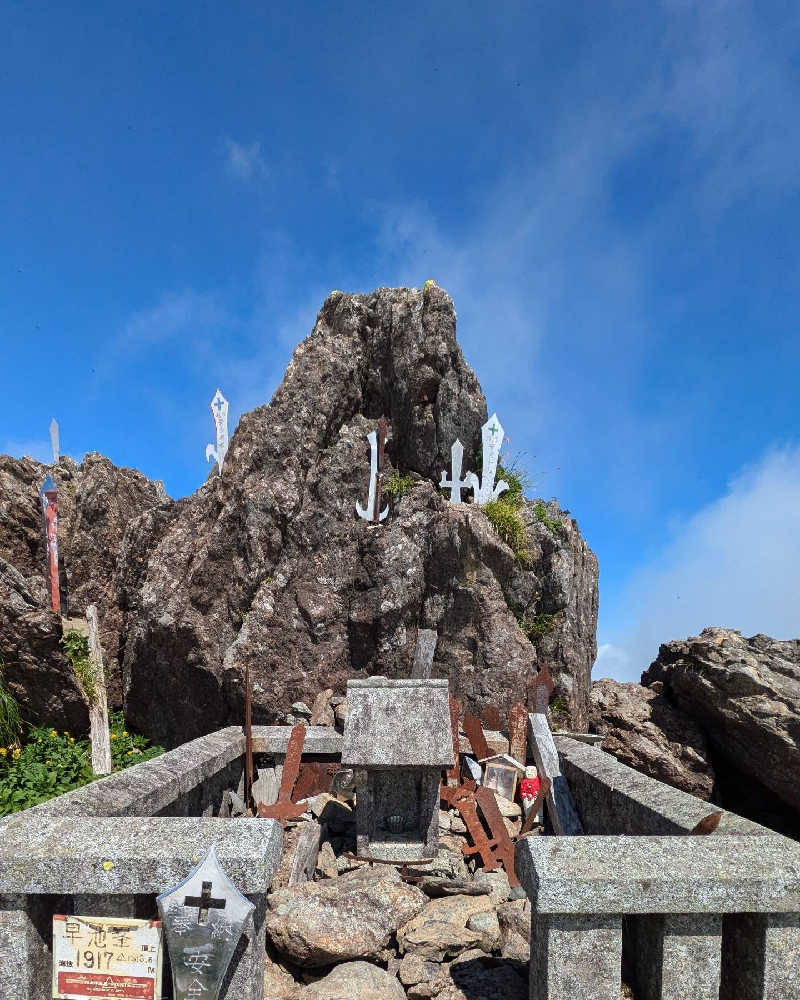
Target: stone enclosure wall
[110,847]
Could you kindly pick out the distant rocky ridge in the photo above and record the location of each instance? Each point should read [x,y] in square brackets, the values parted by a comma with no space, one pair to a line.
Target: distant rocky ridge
[718,715]
[267,565]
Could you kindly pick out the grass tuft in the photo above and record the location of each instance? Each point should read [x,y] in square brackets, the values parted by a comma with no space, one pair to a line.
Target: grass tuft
[396,486]
[76,647]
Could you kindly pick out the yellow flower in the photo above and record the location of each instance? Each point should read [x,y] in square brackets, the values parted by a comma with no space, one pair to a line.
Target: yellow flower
[53,732]
[113,736]
[124,732]
[47,762]
[3,751]
[16,753]
[72,739]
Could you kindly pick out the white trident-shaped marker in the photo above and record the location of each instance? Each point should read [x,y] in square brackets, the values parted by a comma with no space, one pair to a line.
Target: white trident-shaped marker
[371,512]
[219,411]
[455,483]
[492,436]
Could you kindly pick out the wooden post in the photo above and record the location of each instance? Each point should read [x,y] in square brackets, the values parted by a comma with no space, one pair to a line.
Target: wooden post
[98,704]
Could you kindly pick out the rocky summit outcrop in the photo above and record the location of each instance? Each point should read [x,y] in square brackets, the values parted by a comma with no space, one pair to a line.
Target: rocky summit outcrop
[643,730]
[96,502]
[268,565]
[744,694]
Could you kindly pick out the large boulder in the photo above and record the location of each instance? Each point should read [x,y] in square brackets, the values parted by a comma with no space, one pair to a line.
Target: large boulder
[351,917]
[268,565]
[745,695]
[643,730]
[356,981]
[33,666]
[96,502]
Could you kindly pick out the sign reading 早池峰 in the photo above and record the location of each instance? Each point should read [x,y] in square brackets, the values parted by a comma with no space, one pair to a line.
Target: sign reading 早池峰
[111,957]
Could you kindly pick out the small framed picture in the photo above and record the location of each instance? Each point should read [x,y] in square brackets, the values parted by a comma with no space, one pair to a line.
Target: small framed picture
[502,778]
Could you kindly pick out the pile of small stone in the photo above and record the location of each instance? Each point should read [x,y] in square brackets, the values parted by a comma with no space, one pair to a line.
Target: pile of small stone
[358,930]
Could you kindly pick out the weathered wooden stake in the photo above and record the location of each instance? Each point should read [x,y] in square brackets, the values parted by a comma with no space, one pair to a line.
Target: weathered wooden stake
[98,704]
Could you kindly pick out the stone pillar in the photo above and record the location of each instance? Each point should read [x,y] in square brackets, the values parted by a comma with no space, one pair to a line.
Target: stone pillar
[575,956]
[677,956]
[761,957]
[23,969]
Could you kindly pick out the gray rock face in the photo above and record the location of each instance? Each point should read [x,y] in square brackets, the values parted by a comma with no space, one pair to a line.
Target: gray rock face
[643,730]
[269,565]
[96,501]
[745,695]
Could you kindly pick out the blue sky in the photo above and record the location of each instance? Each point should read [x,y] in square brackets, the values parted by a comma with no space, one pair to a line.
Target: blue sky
[609,191]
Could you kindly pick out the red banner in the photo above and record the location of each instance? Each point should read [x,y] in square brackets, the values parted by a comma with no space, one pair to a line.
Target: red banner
[87,984]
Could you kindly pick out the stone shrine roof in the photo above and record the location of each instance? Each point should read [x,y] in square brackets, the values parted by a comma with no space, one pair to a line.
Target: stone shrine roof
[402,723]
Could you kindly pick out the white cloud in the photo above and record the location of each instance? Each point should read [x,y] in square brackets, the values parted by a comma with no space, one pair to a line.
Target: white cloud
[732,564]
[246,162]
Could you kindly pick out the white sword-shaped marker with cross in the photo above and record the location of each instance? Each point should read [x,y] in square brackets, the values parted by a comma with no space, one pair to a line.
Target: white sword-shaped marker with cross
[368,513]
[219,411]
[492,435]
[455,484]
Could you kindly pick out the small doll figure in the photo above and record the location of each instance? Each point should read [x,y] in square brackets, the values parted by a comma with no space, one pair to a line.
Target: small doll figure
[529,789]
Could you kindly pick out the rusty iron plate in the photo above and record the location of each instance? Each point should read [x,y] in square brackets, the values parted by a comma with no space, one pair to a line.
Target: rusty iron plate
[518,732]
[474,733]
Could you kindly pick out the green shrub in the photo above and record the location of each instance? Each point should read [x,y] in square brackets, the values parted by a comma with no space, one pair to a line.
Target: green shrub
[76,648]
[544,518]
[507,522]
[50,763]
[10,719]
[559,712]
[533,625]
[396,486]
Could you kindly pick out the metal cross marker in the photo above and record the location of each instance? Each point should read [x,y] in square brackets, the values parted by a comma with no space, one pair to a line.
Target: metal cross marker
[492,437]
[377,445]
[201,948]
[285,809]
[204,902]
[219,412]
[48,495]
[54,439]
[456,484]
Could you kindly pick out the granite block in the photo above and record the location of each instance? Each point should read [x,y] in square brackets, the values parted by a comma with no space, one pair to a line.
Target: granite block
[397,723]
[575,957]
[717,874]
[120,855]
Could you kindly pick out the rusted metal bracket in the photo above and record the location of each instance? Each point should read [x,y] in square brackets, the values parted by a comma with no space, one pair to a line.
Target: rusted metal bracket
[502,847]
[467,798]
[314,777]
[474,733]
[285,809]
[454,772]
